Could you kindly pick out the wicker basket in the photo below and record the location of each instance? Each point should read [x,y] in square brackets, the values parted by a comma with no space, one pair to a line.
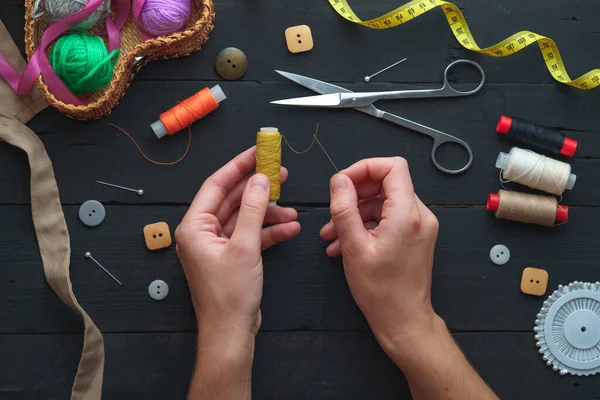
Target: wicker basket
[135,52]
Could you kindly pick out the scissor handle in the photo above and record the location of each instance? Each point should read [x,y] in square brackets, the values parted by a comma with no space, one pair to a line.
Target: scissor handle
[439,141]
[439,138]
[448,87]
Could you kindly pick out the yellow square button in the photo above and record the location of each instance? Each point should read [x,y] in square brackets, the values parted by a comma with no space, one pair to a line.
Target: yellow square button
[157,236]
[534,281]
[299,39]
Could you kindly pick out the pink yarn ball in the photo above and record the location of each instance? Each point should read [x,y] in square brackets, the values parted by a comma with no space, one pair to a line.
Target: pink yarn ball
[164,17]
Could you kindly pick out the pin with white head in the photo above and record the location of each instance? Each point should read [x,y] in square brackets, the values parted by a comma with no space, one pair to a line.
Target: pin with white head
[138,191]
[368,77]
[89,255]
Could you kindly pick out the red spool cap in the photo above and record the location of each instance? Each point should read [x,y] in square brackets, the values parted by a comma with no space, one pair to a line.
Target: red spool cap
[562,213]
[568,148]
[504,124]
[494,202]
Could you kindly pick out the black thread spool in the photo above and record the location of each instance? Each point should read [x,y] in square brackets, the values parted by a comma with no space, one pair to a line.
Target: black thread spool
[536,136]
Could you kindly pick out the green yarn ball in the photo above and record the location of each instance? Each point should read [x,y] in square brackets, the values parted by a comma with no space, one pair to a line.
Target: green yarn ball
[82,62]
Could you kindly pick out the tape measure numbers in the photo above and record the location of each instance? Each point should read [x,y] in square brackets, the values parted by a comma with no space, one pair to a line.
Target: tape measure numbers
[462,33]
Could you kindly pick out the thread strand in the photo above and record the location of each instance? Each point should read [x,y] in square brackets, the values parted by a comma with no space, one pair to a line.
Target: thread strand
[305,150]
[187,149]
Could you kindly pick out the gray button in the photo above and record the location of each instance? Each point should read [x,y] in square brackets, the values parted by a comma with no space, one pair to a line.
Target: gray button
[158,290]
[500,254]
[92,213]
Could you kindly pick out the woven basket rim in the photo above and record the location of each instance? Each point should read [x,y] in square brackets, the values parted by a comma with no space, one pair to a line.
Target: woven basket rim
[150,49]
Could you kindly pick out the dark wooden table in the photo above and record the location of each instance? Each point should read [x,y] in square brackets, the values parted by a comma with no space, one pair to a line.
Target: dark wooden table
[314,341]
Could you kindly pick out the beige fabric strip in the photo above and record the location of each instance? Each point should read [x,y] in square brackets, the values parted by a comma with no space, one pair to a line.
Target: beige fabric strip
[48,218]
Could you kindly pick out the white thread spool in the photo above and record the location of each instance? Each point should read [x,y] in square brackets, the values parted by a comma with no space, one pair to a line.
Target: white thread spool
[536,171]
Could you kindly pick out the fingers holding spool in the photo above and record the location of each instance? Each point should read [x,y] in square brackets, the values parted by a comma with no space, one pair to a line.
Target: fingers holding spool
[252,212]
[345,214]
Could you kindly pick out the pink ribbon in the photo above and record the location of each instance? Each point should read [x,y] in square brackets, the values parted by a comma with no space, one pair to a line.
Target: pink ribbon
[114,26]
[39,63]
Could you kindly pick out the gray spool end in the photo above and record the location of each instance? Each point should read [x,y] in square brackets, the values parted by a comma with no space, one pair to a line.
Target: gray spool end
[159,129]
[502,160]
[218,93]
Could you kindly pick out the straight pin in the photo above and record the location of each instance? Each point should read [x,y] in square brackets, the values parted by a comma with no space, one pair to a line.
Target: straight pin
[324,151]
[368,78]
[89,255]
[138,191]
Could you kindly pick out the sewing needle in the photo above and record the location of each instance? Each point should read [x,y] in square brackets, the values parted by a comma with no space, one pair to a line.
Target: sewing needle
[324,151]
[368,78]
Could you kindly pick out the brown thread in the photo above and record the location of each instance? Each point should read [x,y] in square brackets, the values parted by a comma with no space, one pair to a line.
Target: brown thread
[189,143]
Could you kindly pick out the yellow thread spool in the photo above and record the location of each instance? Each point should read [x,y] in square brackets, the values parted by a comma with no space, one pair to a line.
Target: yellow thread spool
[268,159]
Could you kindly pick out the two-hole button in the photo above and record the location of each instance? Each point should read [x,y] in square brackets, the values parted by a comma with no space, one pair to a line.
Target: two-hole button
[92,213]
[231,63]
[299,39]
[158,289]
[157,236]
[499,254]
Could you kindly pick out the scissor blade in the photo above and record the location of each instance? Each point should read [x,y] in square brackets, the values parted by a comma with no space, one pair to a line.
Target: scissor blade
[325,100]
[326,88]
[313,84]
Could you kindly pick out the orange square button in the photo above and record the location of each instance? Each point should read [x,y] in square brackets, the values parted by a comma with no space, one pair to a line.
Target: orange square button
[299,38]
[157,236]
[534,281]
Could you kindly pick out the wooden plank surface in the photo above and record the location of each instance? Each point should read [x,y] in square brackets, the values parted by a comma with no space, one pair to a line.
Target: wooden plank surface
[314,341]
[291,365]
[304,289]
[83,152]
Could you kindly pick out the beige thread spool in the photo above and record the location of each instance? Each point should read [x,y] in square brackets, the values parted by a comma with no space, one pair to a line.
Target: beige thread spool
[528,208]
[536,171]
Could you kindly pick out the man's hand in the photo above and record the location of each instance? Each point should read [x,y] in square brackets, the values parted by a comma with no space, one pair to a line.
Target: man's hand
[219,243]
[387,238]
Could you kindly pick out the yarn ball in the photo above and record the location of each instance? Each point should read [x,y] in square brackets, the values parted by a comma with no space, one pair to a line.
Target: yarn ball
[82,62]
[164,17]
[55,10]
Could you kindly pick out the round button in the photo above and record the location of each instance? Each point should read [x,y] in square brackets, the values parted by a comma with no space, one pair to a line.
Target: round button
[231,63]
[158,290]
[500,254]
[92,213]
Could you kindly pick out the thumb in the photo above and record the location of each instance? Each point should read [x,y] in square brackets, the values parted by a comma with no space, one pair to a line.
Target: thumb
[252,211]
[345,214]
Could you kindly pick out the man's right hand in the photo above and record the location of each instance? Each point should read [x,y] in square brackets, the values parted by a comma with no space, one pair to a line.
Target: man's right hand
[386,237]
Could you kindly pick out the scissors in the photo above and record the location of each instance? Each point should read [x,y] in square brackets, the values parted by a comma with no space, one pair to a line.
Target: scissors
[333,96]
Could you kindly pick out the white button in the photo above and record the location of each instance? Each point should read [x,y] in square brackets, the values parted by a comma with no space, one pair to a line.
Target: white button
[500,254]
[92,213]
[158,290]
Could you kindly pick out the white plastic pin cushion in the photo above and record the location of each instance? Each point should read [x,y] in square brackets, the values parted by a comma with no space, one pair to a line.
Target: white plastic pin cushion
[159,128]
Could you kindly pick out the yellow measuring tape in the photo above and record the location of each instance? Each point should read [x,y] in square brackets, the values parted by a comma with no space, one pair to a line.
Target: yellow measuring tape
[462,33]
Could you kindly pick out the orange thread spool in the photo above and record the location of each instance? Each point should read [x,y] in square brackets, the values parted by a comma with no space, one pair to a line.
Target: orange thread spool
[188,111]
